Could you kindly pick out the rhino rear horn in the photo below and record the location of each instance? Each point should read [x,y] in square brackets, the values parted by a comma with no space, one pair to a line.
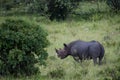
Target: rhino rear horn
[56,50]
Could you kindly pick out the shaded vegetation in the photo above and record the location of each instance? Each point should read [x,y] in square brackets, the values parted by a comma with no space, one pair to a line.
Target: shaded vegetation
[59,9]
[114,4]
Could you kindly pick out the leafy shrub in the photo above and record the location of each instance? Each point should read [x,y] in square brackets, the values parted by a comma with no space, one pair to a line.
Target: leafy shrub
[59,9]
[21,47]
[6,4]
[23,6]
[37,6]
[114,4]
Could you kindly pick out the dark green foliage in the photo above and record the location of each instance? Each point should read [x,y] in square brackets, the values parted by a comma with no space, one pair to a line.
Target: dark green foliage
[22,45]
[6,4]
[37,6]
[114,4]
[24,6]
[59,9]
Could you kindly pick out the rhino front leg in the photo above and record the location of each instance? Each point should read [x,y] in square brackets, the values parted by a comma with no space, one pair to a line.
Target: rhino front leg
[77,59]
[100,60]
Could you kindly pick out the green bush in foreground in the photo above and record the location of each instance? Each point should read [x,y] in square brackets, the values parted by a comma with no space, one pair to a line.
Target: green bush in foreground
[22,45]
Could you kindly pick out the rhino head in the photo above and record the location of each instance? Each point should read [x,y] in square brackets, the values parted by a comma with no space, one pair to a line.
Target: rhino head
[61,53]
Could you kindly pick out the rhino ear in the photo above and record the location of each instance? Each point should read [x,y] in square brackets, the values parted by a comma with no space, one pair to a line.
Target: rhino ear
[65,45]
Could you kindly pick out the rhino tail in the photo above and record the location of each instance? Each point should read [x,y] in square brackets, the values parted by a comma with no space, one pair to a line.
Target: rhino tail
[102,51]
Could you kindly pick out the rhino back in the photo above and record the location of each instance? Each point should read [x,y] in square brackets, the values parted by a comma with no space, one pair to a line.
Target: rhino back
[70,45]
[86,49]
[80,48]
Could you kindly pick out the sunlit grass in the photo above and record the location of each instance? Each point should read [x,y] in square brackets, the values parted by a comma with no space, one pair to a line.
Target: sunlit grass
[65,32]
[103,28]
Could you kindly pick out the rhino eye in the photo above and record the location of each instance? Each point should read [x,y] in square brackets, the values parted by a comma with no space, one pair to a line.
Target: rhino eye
[64,51]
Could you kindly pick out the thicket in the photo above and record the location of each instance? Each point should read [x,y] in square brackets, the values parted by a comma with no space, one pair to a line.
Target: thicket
[22,45]
[60,9]
[53,9]
[114,4]
[24,6]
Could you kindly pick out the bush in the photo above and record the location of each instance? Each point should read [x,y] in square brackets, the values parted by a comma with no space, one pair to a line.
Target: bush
[37,6]
[114,4]
[59,9]
[6,4]
[21,47]
[23,6]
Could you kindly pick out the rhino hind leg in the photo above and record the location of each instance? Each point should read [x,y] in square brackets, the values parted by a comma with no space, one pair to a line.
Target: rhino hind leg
[95,61]
[100,60]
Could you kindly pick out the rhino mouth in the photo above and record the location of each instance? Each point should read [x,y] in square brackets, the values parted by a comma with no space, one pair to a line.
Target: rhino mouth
[60,57]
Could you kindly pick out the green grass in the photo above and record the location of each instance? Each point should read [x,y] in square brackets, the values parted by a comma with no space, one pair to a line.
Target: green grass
[65,32]
[106,30]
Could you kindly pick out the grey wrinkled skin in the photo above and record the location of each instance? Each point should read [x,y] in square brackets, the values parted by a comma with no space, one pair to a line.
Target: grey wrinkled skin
[81,50]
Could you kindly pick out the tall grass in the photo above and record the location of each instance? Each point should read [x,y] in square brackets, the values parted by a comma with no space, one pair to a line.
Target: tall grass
[65,32]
